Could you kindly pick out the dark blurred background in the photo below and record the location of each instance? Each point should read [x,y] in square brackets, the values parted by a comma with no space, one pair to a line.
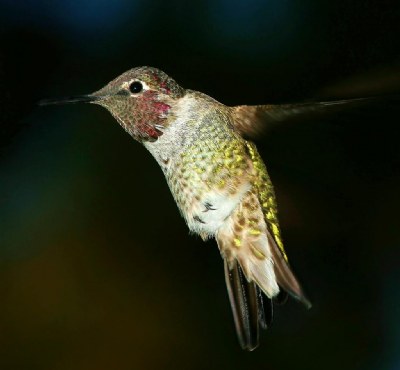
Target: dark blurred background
[97,270]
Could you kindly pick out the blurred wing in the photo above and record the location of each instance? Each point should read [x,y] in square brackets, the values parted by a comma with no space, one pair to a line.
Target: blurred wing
[253,120]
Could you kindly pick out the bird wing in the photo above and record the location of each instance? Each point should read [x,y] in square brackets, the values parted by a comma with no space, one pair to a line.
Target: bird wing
[251,121]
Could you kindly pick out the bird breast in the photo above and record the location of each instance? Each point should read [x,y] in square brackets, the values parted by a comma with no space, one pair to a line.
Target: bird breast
[207,169]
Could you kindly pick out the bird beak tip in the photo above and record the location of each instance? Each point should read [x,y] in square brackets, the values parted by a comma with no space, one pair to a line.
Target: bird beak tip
[69,100]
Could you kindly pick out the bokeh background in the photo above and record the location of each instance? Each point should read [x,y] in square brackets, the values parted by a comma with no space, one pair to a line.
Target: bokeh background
[97,270]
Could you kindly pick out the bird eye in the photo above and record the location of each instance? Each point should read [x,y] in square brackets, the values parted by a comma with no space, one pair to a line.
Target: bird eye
[135,87]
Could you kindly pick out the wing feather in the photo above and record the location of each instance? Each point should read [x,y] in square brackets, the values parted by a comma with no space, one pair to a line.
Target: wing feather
[251,121]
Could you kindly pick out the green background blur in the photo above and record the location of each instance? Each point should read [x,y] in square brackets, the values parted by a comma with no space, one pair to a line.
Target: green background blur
[97,270]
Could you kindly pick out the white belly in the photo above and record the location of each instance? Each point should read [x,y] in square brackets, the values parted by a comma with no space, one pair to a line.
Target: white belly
[208,214]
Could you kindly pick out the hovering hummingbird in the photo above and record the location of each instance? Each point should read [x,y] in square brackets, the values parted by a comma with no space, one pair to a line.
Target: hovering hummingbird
[218,179]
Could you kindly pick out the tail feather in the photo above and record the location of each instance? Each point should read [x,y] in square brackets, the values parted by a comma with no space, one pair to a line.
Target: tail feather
[247,306]
[265,310]
[284,275]
[254,265]
[281,298]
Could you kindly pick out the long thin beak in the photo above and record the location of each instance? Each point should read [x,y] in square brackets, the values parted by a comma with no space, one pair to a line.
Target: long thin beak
[70,100]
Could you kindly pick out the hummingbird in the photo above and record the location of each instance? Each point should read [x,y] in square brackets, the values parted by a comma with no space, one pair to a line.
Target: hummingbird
[217,178]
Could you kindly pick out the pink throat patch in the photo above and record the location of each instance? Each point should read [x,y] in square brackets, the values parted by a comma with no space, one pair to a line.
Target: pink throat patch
[162,108]
[154,113]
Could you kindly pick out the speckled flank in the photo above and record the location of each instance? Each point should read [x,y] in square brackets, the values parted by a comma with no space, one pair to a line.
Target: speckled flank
[265,190]
[243,237]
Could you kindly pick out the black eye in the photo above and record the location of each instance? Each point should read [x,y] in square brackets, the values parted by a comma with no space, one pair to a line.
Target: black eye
[135,87]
